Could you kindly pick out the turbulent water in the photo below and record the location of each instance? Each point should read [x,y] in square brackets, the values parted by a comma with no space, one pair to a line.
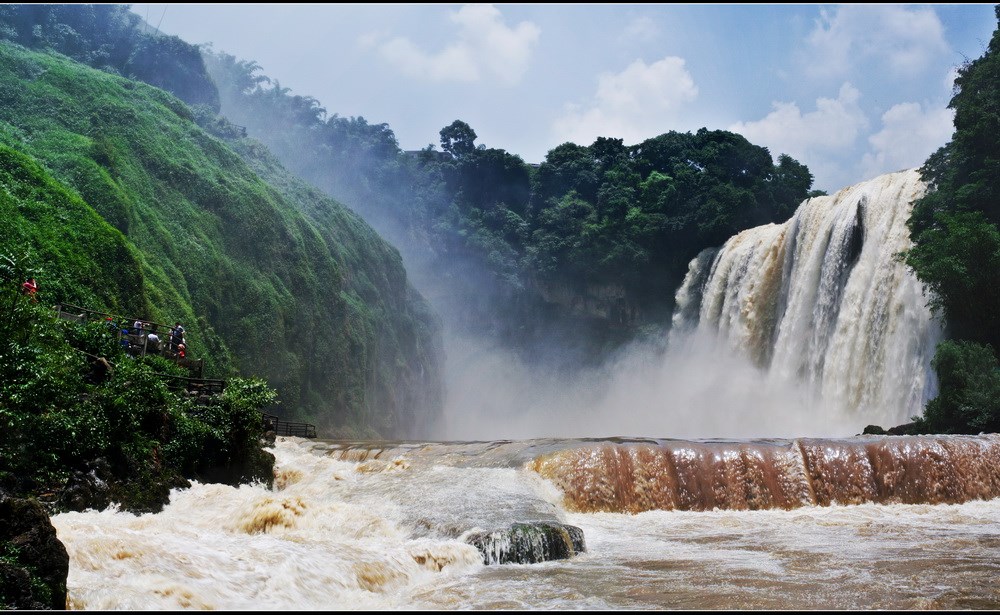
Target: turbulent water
[805,331]
[373,526]
[823,300]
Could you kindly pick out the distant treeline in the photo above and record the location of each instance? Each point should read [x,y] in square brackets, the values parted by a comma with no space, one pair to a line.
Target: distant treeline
[506,239]
[114,39]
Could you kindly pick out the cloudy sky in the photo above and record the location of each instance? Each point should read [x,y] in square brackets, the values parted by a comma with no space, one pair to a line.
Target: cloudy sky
[851,91]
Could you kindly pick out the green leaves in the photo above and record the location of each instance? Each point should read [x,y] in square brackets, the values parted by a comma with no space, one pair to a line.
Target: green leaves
[53,421]
[956,251]
[969,401]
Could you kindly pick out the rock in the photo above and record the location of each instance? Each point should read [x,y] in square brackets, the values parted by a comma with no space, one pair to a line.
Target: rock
[88,489]
[33,563]
[874,430]
[529,543]
[906,429]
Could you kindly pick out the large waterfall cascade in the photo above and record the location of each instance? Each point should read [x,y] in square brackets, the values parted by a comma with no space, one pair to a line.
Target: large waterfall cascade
[823,299]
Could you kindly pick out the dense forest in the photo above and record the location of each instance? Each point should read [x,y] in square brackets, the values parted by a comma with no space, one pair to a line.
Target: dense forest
[957,252]
[592,242]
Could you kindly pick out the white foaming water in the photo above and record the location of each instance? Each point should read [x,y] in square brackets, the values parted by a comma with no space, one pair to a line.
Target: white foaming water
[824,301]
[808,328]
[331,538]
[375,534]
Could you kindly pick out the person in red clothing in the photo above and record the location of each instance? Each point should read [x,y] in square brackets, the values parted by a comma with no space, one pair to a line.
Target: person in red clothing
[31,288]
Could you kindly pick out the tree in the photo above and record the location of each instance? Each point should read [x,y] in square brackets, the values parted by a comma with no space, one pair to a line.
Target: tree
[956,250]
[458,139]
[969,401]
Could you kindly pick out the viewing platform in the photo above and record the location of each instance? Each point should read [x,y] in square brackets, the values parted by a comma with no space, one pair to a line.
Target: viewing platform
[204,391]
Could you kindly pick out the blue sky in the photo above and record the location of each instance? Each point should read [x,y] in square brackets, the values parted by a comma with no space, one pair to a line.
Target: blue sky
[852,91]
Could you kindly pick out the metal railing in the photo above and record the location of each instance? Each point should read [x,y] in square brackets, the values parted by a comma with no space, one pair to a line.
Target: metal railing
[204,389]
[288,428]
[194,386]
[135,341]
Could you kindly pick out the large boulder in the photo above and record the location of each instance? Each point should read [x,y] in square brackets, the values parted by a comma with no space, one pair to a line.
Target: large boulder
[33,563]
[528,543]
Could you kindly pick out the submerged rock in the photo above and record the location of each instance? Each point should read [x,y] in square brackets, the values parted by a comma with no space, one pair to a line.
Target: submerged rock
[529,543]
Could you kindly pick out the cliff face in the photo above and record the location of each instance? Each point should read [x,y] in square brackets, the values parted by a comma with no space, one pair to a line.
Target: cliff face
[399,340]
[609,303]
[270,279]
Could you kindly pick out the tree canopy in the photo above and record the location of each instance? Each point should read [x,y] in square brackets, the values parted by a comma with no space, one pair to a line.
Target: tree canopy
[956,250]
[491,225]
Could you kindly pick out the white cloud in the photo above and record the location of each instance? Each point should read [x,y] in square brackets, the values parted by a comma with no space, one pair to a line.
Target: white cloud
[819,139]
[949,80]
[369,40]
[909,135]
[904,39]
[486,49]
[833,126]
[640,102]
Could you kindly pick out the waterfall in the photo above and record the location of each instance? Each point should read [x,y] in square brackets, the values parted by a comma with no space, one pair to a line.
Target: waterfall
[824,300]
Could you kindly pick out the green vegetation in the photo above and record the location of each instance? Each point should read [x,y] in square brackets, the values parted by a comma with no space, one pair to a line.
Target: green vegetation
[62,415]
[957,252]
[514,247]
[126,205]
[112,38]
[969,398]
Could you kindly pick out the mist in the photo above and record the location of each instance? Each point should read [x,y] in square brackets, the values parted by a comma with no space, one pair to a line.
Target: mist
[542,338]
[697,386]
[811,327]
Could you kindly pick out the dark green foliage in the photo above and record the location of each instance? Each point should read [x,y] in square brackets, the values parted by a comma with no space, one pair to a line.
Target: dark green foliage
[969,401]
[112,38]
[222,441]
[956,251]
[458,139]
[959,259]
[55,418]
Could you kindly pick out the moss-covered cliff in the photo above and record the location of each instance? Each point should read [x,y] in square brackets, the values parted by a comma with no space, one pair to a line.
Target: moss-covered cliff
[269,280]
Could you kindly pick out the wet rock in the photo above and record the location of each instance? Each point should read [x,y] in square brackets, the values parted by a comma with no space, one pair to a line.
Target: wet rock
[89,488]
[529,543]
[906,429]
[33,563]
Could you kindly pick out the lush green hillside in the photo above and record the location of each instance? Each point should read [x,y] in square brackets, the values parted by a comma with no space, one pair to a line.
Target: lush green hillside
[387,326]
[112,38]
[65,241]
[314,302]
